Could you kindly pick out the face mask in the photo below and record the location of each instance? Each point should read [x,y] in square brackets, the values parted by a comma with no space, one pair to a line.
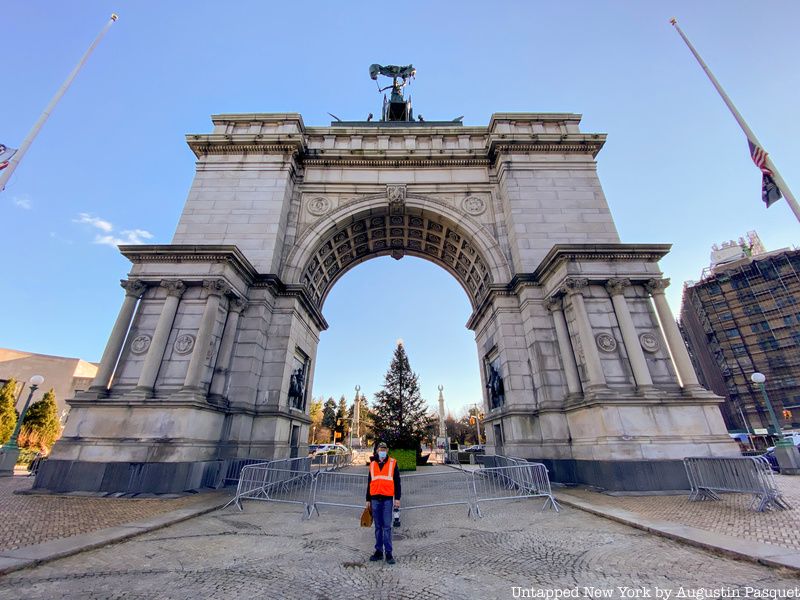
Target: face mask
[382,454]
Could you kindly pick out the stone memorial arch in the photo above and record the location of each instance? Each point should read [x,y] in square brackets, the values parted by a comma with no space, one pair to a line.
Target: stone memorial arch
[213,354]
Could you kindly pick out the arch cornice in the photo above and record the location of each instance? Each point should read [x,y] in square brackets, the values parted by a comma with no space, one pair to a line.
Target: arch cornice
[309,244]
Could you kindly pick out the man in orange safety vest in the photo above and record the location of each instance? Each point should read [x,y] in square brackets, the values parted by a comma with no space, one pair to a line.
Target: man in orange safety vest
[383,489]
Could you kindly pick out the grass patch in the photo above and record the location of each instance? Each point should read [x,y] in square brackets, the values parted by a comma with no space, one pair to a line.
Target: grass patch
[406,459]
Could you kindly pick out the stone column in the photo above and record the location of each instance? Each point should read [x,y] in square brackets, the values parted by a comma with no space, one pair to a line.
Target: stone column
[133,291]
[152,362]
[564,346]
[194,373]
[235,308]
[594,368]
[680,356]
[641,374]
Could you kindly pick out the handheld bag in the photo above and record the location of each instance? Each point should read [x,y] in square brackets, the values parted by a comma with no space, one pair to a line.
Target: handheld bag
[366,517]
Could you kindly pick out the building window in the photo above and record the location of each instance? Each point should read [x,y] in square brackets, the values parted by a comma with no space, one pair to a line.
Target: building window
[731,333]
[738,349]
[726,316]
[760,326]
[767,345]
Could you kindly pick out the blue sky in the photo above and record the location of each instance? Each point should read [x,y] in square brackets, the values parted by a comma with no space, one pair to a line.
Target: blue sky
[111,164]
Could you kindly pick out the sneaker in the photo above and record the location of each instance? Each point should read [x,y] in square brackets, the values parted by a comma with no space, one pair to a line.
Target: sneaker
[390,559]
[377,556]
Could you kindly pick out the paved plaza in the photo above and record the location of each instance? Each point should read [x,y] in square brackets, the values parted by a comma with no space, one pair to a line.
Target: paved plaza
[33,519]
[730,516]
[269,551]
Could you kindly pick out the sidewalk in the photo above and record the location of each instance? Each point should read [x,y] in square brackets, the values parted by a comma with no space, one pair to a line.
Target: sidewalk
[727,525]
[35,528]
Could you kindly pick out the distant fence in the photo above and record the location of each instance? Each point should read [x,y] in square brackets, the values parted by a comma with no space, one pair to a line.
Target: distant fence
[296,481]
[743,475]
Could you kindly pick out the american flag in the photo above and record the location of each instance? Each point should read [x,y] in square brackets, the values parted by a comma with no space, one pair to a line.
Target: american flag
[5,155]
[770,193]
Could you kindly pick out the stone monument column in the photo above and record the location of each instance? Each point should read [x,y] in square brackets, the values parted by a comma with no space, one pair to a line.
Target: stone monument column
[564,346]
[677,348]
[594,368]
[175,289]
[215,289]
[442,425]
[641,374]
[133,291]
[235,308]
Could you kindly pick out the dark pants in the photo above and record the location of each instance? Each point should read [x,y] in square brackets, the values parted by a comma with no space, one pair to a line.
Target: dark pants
[382,517]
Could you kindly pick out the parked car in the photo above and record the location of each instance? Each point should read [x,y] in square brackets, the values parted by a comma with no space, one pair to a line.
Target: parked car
[331,449]
[475,448]
[312,448]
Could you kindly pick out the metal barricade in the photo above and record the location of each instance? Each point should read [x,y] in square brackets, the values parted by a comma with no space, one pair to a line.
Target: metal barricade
[334,488]
[742,475]
[288,480]
[529,480]
[445,488]
[332,461]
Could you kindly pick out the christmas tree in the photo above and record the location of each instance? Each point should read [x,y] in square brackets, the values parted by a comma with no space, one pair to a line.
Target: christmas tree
[399,412]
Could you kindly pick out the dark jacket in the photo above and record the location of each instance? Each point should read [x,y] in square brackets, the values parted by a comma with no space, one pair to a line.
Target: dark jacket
[396,478]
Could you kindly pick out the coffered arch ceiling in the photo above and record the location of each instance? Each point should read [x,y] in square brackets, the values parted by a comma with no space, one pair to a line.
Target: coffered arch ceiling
[417,231]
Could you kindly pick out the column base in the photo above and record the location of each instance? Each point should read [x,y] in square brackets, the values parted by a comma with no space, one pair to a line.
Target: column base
[619,475]
[8,460]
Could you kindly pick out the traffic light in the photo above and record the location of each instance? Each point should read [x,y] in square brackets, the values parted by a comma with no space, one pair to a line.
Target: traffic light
[472,420]
[787,414]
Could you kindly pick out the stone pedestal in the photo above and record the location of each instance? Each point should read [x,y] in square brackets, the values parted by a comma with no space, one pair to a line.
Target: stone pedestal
[8,459]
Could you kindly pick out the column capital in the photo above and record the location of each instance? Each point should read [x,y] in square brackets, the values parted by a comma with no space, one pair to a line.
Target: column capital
[657,286]
[133,287]
[616,286]
[575,285]
[216,287]
[553,304]
[174,287]
[237,304]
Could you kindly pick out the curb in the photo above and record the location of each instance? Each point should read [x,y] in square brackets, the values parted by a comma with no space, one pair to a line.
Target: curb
[36,554]
[765,554]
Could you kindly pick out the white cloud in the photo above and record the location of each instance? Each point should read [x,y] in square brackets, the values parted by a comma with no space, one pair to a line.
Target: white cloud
[23,202]
[107,238]
[101,224]
[132,236]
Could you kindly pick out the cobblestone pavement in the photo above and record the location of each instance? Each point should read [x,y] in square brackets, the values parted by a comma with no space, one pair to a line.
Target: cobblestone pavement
[269,551]
[730,516]
[26,520]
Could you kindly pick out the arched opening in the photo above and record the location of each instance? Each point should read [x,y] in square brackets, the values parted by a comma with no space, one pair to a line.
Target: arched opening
[383,300]
[353,234]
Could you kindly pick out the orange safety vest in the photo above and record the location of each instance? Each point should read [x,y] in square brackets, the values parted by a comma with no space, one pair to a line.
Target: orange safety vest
[382,479]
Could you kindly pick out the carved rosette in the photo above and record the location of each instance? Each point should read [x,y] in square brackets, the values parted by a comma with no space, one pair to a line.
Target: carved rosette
[133,287]
[616,287]
[140,344]
[174,287]
[184,343]
[472,205]
[649,342]
[318,206]
[657,286]
[605,341]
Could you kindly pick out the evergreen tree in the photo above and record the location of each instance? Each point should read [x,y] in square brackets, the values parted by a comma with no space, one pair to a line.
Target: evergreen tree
[329,414]
[8,412]
[41,424]
[342,425]
[399,412]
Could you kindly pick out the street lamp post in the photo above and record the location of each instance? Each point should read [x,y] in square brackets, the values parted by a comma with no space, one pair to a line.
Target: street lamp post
[785,452]
[9,453]
[759,379]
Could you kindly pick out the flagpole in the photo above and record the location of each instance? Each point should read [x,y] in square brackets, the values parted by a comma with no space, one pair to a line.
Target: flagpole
[784,188]
[6,173]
